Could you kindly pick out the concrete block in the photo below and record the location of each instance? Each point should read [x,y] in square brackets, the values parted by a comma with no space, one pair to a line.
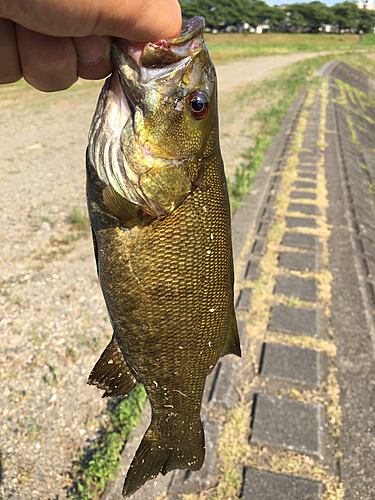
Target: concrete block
[252,270]
[283,423]
[223,387]
[302,195]
[303,208]
[295,364]
[306,175]
[298,261]
[301,222]
[186,481]
[244,300]
[294,320]
[264,485]
[294,286]
[259,247]
[300,240]
[304,185]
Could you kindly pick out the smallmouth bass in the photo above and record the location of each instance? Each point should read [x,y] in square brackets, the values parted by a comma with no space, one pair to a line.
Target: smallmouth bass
[160,217]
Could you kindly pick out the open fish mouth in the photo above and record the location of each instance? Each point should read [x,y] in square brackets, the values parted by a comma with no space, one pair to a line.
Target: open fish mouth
[151,55]
[122,147]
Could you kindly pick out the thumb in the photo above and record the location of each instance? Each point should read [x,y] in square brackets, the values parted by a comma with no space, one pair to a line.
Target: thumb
[138,20]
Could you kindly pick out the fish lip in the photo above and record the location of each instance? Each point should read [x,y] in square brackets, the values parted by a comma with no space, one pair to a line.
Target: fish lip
[152,60]
[189,30]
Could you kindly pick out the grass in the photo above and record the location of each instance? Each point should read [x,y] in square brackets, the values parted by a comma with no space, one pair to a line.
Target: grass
[279,93]
[96,464]
[368,39]
[225,47]
[79,220]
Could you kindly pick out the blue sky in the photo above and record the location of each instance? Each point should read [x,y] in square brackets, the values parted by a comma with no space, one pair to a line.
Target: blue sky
[279,2]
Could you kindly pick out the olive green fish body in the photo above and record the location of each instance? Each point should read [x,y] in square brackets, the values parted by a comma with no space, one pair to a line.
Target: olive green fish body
[168,284]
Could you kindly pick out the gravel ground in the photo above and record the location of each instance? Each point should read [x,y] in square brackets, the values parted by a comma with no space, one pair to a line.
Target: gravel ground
[53,320]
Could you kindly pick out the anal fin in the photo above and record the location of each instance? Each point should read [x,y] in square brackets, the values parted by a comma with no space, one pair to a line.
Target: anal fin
[232,341]
[111,373]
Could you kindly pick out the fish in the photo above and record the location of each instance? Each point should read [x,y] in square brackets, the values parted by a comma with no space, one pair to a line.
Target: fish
[161,224]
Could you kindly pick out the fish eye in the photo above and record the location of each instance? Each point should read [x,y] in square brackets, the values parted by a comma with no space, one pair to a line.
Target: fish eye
[199,105]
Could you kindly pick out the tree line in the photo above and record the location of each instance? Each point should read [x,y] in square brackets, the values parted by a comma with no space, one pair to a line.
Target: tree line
[227,15]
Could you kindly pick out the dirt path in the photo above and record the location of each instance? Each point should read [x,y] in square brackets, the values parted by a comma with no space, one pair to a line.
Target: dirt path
[53,321]
[234,75]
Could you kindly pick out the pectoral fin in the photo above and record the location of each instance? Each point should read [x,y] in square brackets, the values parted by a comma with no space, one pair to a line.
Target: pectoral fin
[232,341]
[112,374]
[167,186]
[127,212]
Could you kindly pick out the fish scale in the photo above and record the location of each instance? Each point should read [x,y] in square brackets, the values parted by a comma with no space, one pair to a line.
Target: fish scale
[167,280]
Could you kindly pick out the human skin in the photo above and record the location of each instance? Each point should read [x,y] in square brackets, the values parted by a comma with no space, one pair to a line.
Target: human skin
[50,43]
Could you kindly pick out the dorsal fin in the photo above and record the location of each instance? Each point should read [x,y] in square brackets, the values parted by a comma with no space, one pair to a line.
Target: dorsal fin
[232,341]
[111,373]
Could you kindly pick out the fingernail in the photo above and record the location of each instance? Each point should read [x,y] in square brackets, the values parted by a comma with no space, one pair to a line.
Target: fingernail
[91,49]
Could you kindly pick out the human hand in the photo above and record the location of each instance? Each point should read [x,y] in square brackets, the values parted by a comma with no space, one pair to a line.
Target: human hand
[50,43]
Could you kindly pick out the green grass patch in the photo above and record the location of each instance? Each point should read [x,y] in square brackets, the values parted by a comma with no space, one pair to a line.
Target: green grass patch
[226,47]
[364,64]
[95,465]
[368,39]
[79,220]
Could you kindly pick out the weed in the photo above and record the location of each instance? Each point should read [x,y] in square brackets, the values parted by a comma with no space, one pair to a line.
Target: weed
[79,220]
[24,475]
[293,302]
[95,466]
[363,167]
[72,353]
[38,336]
[370,187]
[46,218]
[51,380]
[334,409]
[15,396]
[34,429]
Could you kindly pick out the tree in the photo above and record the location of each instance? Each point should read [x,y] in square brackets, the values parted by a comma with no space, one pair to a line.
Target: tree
[318,14]
[296,17]
[345,15]
[275,17]
[366,21]
[220,14]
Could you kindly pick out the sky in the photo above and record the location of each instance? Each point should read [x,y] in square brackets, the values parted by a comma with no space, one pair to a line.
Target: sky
[279,2]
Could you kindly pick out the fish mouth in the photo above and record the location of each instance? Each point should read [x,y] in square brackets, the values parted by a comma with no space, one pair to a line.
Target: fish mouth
[152,55]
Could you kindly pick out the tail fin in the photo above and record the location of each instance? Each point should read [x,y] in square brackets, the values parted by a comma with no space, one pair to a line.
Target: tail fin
[155,456]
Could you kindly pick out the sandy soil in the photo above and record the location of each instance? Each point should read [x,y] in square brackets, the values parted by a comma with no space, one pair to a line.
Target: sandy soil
[53,321]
